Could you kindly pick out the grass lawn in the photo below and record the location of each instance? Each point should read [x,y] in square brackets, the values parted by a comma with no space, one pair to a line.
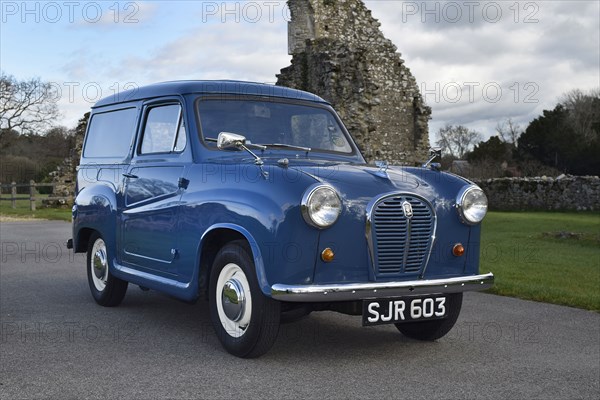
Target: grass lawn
[23,211]
[544,256]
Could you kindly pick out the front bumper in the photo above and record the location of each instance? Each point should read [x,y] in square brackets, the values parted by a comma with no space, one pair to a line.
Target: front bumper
[360,291]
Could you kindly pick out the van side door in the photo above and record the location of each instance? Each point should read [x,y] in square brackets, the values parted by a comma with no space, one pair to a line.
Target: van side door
[153,186]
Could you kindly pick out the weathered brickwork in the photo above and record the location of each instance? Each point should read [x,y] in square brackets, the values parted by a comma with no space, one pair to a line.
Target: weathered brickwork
[65,174]
[564,193]
[340,53]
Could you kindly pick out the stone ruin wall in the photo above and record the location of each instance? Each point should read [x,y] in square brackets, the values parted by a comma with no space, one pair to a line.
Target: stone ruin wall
[65,174]
[563,193]
[340,54]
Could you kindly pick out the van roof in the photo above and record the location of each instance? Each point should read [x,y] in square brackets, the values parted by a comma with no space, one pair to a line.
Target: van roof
[207,87]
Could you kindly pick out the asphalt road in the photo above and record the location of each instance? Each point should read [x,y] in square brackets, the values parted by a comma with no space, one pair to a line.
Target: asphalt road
[55,342]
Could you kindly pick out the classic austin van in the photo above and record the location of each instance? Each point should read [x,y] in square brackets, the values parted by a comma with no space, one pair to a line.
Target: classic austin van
[256,198]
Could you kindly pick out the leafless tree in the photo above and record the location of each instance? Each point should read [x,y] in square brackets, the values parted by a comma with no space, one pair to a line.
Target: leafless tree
[456,141]
[509,131]
[27,106]
[584,111]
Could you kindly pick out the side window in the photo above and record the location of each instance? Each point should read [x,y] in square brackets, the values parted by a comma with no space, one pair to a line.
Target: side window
[164,131]
[110,134]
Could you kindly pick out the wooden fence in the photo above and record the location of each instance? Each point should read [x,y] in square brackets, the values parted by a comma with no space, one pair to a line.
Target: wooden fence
[32,186]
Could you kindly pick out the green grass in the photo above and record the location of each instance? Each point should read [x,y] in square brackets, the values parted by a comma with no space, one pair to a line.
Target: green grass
[23,210]
[531,258]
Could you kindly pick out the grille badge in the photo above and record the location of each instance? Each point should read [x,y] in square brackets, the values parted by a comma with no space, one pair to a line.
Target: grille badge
[407,209]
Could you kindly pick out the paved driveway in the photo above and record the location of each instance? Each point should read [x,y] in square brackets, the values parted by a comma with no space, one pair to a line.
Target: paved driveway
[56,342]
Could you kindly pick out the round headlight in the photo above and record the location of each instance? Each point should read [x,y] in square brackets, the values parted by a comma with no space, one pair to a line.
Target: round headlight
[472,204]
[321,206]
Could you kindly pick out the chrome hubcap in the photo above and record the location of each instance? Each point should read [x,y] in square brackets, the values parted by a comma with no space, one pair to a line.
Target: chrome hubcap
[99,265]
[233,299]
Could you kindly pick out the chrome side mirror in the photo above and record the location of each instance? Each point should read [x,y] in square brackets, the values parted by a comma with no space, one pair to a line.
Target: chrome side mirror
[434,153]
[227,140]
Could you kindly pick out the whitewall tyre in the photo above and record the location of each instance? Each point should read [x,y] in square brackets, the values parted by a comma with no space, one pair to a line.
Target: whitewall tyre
[107,290]
[245,320]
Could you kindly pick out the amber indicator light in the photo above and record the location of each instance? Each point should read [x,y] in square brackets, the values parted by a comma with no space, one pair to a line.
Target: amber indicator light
[458,250]
[327,255]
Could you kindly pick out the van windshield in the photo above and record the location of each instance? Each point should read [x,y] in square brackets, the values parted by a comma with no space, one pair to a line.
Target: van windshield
[273,124]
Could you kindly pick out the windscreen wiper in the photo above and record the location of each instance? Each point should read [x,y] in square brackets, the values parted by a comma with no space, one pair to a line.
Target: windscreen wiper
[286,146]
[270,145]
[255,146]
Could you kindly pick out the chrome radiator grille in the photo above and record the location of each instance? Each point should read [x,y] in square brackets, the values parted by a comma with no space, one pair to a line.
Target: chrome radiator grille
[401,242]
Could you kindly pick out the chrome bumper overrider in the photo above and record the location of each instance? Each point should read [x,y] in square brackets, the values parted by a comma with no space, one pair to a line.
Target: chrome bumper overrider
[359,291]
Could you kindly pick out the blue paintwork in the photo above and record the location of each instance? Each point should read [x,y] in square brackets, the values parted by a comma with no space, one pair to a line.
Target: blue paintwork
[155,230]
[237,88]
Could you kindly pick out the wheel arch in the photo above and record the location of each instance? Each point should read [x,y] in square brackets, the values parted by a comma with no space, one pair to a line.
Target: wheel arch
[213,240]
[95,210]
[83,239]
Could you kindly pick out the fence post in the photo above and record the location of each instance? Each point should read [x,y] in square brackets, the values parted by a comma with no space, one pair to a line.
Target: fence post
[13,194]
[32,194]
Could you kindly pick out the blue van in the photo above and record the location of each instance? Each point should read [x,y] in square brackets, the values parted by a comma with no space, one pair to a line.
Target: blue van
[256,198]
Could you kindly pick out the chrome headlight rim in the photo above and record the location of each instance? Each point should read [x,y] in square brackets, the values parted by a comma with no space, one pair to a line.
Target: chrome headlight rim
[460,199]
[309,196]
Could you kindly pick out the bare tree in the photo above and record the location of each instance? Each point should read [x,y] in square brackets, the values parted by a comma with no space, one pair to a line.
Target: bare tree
[509,131]
[584,111]
[27,106]
[456,141]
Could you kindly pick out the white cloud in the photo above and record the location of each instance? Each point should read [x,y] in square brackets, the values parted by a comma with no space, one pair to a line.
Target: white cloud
[225,51]
[535,54]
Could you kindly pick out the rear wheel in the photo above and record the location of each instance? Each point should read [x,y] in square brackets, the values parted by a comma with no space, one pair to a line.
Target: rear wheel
[433,330]
[107,290]
[245,320]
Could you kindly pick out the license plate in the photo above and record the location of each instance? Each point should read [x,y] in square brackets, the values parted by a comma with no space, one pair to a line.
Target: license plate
[406,309]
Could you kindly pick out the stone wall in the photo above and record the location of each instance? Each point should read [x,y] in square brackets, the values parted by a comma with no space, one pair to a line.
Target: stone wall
[564,193]
[65,175]
[340,53]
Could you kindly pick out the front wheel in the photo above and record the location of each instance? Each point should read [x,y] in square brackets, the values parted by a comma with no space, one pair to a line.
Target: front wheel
[433,330]
[107,290]
[245,320]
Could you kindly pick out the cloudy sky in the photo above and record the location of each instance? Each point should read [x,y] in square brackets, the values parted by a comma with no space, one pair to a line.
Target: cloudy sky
[477,62]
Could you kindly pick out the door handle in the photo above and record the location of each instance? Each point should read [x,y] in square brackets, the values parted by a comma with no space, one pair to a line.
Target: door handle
[130,176]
